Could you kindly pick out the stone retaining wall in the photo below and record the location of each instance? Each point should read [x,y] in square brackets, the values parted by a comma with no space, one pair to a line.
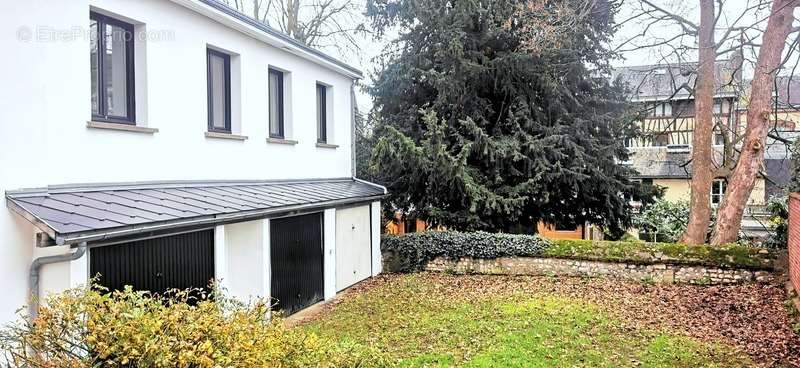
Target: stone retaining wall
[660,272]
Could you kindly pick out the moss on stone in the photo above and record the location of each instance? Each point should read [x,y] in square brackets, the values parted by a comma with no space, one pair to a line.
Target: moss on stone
[727,256]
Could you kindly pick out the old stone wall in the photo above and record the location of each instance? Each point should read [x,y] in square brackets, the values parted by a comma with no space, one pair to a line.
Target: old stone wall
[659,272]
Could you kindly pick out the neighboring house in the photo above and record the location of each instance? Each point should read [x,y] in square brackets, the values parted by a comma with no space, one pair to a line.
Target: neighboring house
[169,143]
[662,155]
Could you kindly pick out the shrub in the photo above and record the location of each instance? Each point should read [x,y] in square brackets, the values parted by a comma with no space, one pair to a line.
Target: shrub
[778,223]
[411,252]
[663,220]
[86,327]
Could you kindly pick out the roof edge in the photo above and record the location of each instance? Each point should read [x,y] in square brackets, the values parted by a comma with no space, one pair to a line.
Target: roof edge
[161,184]
[213,9]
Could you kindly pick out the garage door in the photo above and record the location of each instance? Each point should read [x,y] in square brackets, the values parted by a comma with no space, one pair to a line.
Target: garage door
[296,261]
[353,250]
[159,264]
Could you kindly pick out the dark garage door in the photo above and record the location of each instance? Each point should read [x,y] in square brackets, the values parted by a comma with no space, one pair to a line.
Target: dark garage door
[296,260]
[178,261]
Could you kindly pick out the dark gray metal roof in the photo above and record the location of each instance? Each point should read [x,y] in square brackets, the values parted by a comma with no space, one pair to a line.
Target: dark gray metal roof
[77,213]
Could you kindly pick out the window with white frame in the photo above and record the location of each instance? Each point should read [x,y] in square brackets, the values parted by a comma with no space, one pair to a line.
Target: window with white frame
[717,107]
[663,109]
[719,138]
[718,188]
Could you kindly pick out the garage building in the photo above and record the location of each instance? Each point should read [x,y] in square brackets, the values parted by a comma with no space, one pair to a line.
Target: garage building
[296,242]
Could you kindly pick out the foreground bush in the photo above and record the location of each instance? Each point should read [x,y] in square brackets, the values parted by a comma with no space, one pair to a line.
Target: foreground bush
[411,252]
[90,328]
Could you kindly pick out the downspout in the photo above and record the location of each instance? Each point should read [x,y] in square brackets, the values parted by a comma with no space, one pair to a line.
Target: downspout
[33,306]
[353,109]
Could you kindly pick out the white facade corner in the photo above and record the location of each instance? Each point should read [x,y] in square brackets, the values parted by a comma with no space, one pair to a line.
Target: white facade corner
[375,223]
[329,242]
[220,257]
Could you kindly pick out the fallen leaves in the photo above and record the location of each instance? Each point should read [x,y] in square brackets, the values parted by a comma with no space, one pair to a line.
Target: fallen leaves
[751,318]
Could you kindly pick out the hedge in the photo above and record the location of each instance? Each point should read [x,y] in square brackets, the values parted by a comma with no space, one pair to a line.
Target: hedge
[411,252]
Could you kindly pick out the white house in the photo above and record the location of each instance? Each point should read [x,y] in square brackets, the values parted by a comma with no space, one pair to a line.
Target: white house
[163,143]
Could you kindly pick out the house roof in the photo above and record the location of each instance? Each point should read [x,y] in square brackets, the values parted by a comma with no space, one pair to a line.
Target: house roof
[657,163]
[232,18]
[786,92]
[82,213]
[672,81]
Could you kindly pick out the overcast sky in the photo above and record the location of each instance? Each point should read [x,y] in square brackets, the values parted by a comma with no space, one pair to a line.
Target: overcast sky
[735,12]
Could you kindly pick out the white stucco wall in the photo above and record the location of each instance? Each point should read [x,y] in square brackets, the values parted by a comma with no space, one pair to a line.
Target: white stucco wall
[375,219]
[45,104]
[329,260]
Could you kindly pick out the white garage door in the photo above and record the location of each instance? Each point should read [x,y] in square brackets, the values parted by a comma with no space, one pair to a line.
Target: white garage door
[353,257]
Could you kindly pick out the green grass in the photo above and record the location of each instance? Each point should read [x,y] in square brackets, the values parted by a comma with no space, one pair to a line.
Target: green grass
[418,321]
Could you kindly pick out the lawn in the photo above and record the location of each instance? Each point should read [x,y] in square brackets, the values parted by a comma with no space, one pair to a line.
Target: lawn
[430,320]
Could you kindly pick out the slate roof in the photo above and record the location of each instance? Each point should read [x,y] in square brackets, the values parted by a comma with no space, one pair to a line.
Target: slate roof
[671,81]
[656,162]
[72,214]
[786,89]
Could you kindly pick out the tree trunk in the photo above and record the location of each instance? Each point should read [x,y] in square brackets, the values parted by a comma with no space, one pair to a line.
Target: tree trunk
[702,164]
[743,178]
[292,18]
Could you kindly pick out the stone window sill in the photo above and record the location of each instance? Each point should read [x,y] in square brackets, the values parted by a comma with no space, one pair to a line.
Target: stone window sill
[281,141]
[235,137]
[120,127]
[327,145]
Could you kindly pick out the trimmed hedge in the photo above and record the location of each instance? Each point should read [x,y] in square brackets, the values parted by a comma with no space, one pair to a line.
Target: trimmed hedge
[411,252]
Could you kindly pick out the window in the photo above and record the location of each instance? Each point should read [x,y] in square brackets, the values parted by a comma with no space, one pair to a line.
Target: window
[276,128]
[629,142]
[322,113]
[718,188]
[111,60]
[219,91]
[666,109]
[719,138]
[660,110]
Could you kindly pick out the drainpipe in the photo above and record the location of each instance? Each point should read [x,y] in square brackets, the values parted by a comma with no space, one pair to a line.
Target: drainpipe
[353,109]
[33,306]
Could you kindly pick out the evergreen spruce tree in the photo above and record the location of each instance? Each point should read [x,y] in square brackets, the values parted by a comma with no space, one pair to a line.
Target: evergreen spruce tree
[487,124]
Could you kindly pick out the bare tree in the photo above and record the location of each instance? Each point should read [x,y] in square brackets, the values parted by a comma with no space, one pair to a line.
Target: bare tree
[326,24]
[702,155]
[721,32]
[729,217]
